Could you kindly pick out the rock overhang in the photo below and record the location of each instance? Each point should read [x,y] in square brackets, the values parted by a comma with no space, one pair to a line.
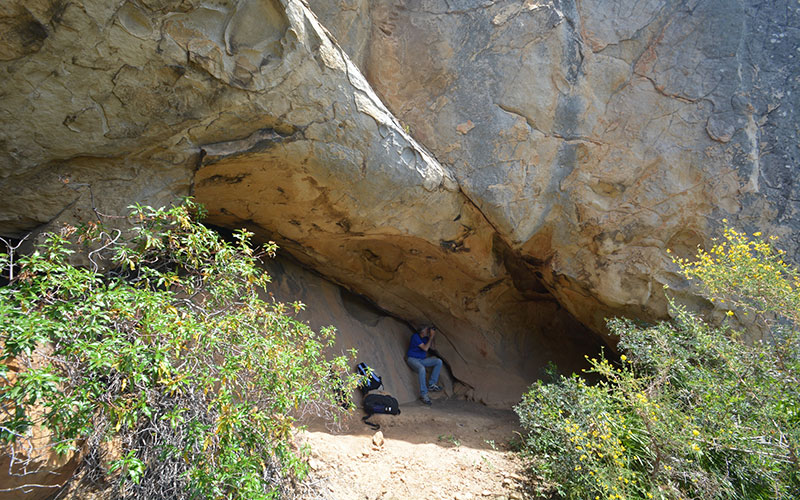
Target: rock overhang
[423,256]
[566,145]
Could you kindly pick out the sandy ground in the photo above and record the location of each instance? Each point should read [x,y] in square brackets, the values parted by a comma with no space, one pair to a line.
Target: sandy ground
[453,450]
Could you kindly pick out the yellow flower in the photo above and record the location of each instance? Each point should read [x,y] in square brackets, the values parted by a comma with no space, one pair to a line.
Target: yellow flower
[695,432]
[729,313]
[623,357]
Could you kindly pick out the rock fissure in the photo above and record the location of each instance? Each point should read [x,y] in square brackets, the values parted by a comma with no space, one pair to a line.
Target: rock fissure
[257,141]
[565,138]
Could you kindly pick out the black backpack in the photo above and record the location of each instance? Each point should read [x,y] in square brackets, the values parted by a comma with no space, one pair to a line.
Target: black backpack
[379,403]
[373,381]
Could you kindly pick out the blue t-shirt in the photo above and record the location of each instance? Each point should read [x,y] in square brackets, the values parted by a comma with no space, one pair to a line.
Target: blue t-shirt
[414,350]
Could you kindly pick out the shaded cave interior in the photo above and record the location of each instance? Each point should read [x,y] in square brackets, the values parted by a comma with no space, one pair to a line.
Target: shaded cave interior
[495,339]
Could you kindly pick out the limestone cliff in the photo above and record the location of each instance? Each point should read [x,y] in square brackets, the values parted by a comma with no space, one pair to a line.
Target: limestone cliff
[509,170]
[594,134]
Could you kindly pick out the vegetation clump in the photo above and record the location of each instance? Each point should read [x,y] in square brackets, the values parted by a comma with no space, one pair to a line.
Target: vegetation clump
[165,346]
[691,409]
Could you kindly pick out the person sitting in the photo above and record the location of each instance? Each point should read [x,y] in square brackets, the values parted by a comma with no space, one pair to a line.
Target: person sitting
[418,359]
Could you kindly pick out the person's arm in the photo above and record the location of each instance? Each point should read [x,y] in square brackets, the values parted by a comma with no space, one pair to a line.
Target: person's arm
[427,345]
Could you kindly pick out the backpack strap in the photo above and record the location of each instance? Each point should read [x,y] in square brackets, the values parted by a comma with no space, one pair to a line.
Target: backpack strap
[374,426]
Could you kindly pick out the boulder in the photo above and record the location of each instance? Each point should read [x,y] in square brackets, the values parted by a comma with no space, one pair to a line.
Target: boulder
[511,171]
[594,135]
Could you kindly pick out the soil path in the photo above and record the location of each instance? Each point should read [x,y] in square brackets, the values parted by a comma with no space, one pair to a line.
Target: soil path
[453,450]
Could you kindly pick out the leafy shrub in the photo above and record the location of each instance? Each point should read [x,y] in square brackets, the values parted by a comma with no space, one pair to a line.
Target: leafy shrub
[171,353]
[690,410]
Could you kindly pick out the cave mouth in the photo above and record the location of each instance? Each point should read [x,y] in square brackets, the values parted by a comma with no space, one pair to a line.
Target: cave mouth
[496,337]
[399,230]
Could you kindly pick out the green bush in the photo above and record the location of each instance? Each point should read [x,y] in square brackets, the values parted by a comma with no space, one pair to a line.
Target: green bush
[164,345]
[690,410]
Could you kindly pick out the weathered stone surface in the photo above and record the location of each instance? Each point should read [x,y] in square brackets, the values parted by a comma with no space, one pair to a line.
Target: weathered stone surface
[566,146]
[350,21]
[122,104]
[350,194]
[602,131]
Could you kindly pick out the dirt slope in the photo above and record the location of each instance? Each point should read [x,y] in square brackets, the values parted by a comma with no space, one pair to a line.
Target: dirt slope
[453,450]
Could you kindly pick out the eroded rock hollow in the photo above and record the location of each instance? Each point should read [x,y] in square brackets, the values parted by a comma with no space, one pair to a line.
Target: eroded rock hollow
[511,171]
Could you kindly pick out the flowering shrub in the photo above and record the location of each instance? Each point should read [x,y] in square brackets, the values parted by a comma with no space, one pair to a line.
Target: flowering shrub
[689,410]
[171,353]
[750,274]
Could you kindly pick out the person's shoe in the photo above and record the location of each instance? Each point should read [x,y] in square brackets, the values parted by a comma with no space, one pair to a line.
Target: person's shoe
[434,388]
[425,399]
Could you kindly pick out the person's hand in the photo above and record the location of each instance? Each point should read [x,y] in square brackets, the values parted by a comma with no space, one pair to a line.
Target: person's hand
[432,332]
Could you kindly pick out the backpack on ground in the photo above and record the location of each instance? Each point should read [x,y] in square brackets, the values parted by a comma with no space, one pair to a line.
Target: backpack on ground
[373,381]
[379,403]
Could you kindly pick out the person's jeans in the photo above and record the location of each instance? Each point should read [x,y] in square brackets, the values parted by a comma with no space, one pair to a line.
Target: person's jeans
[420,366]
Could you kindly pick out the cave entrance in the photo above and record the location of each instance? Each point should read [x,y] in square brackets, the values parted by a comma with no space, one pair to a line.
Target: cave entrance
[490,360]
[378,275]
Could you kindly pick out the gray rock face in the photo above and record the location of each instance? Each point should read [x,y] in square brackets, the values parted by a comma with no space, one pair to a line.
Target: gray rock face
[595,134]
[509,170]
